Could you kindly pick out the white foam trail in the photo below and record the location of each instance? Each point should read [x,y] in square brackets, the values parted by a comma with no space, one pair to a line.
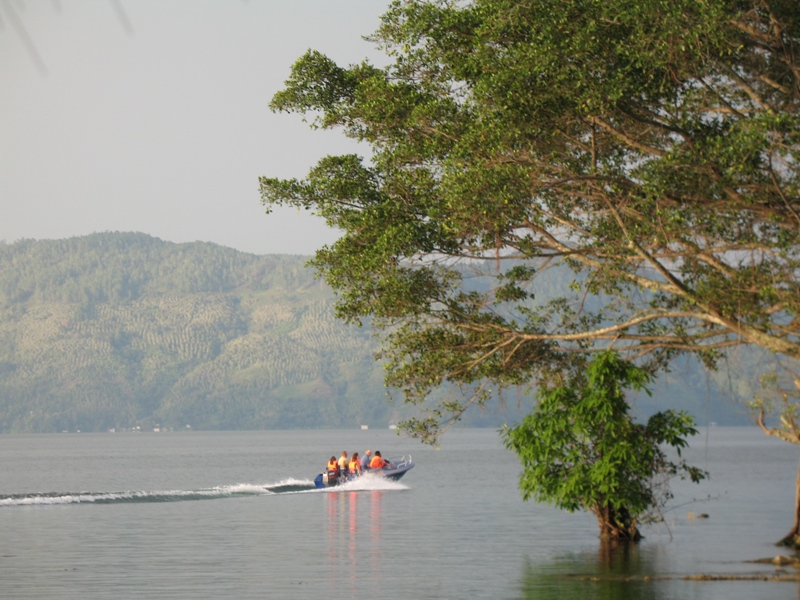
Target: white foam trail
[369,481]
[65,499]
[108,497]
[241,488]
[285,486]
[290,481]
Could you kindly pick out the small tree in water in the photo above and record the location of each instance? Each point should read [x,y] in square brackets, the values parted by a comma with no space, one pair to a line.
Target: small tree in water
[582,451]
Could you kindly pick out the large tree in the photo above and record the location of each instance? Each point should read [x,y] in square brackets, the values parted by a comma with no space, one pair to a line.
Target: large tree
[651,146]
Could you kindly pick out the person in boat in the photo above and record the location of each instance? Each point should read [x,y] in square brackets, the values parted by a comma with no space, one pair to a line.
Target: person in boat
[343,462]
[377,461]
[333,466]
[365,460]
[354,468]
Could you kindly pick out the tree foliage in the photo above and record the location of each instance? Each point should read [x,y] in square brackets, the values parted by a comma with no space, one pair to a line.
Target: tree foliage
[650,145]
[581,450]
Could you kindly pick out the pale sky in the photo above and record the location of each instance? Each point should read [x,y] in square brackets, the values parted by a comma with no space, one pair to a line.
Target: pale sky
[152,116]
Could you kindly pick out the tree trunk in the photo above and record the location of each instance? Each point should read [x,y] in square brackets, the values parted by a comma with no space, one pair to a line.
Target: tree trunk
[792,538]
[616,525]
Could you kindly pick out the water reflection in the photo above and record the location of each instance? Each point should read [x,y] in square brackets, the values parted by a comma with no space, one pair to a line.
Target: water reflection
[615,571]
[354,549]
[375,528]
[633,572]
[352,528]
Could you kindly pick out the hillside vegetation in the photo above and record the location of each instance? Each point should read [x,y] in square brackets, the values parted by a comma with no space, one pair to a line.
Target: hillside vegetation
[118,330]
[123,330]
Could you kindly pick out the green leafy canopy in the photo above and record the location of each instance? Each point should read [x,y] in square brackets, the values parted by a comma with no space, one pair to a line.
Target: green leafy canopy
[650,146]
[581,450]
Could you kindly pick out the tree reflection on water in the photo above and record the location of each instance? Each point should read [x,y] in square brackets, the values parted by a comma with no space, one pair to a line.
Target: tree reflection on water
[616,571]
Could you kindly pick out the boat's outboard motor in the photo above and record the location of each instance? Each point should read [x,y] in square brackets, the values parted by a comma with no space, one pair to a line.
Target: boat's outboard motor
[327,479]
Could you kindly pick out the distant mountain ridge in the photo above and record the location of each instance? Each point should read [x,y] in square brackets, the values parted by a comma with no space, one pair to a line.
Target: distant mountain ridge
[119,330]
[123,330]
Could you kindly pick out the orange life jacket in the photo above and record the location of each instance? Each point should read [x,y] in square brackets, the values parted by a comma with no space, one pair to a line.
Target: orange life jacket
[377,462]
[354,467]
[333,466]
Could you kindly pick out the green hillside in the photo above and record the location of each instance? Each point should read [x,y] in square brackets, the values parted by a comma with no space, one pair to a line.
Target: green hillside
[123,330]
[120,330]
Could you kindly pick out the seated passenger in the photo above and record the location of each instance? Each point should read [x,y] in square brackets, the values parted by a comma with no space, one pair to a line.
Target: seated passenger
[354,468]
[333,466]
[377,461]
[365,460]
[343,462]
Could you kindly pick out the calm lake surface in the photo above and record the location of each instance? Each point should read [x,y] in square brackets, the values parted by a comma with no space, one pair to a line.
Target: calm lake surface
[234,515]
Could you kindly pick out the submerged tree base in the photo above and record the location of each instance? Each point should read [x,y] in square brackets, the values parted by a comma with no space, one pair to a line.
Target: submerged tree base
[621,536]
[790,541]
[617,526]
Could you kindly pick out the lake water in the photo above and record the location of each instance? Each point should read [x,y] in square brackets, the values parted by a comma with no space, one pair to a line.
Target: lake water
[234,515]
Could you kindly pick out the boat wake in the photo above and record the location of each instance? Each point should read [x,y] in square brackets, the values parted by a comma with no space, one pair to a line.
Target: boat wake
[287,486]
[366,482]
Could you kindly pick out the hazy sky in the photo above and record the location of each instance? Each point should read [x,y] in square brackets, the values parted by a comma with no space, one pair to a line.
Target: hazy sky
[152,116]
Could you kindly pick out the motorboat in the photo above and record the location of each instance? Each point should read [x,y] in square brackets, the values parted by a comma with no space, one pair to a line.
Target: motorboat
[394,470]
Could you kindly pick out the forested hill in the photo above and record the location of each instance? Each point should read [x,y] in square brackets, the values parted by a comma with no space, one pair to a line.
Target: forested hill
[118,330]
[123,330]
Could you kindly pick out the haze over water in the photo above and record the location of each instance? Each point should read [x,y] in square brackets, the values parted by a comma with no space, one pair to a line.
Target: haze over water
[234,514]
